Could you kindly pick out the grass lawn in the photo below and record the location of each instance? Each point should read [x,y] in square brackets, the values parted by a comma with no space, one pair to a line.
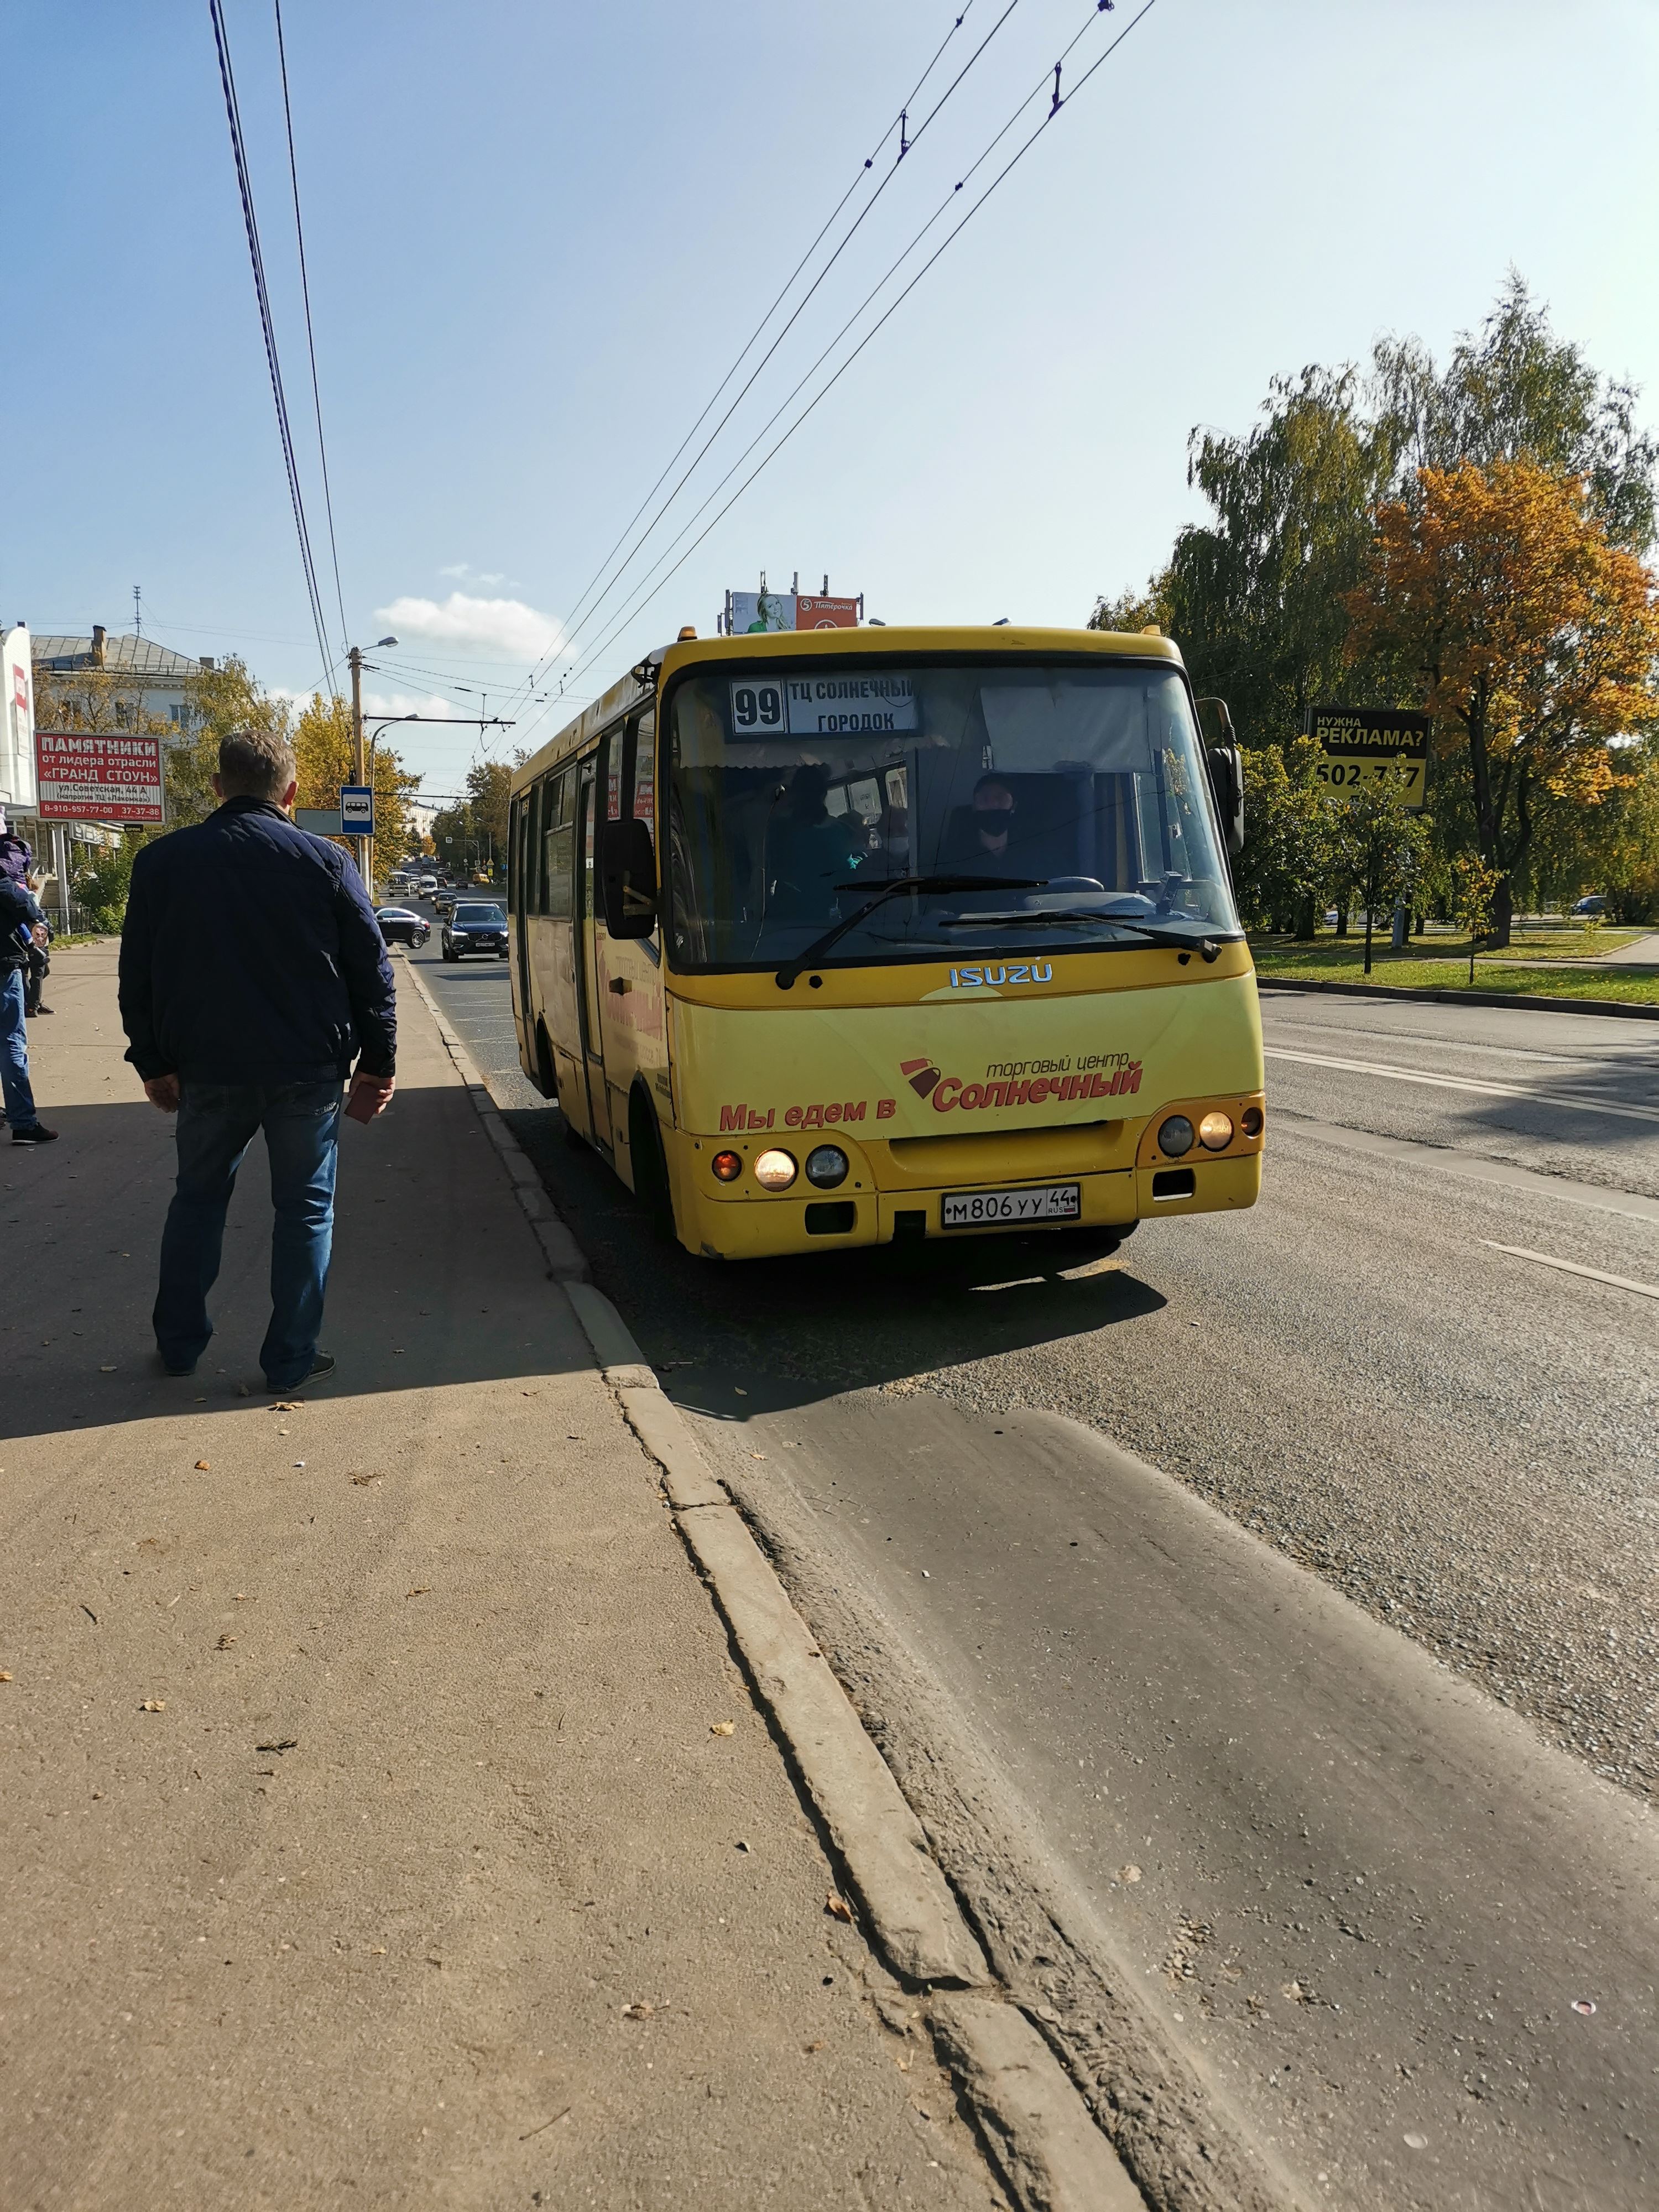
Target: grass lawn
[1437,966]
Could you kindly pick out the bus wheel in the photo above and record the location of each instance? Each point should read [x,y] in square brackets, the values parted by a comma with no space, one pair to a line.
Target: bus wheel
[651,1184]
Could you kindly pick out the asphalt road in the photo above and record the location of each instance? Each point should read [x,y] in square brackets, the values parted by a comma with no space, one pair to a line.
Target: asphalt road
[1263,1619]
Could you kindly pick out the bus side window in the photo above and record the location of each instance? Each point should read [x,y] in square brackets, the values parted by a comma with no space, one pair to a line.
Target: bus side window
[559,846]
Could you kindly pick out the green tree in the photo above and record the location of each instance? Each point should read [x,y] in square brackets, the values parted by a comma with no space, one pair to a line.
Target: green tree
[1474,890]
[1513,392]
[1287,871]
[1380,849]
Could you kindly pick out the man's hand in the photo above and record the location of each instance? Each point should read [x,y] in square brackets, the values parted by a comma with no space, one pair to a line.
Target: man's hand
[369,1095]
[163,1092]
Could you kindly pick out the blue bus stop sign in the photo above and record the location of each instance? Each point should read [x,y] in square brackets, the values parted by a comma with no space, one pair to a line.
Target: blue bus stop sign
[356,811]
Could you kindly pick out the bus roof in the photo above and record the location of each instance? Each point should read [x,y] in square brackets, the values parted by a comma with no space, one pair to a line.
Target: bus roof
[642,682]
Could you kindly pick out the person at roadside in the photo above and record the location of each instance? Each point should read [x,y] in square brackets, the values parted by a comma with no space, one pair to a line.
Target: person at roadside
[252,976]
[17,860]
[22,931]
[39,967]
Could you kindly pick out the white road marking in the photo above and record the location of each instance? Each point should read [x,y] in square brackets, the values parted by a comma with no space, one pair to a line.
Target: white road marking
[1571,1267]
[1464,1083]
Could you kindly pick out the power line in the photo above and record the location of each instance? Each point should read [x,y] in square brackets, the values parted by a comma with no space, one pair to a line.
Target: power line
[1059,103]
[238,149]
[311,343]
[897,124]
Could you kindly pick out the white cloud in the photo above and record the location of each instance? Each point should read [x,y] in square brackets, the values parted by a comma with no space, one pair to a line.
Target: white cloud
[500,629]
[465,572]
[376,703]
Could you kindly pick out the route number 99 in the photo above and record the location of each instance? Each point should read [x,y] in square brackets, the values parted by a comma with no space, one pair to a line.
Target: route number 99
[756,709]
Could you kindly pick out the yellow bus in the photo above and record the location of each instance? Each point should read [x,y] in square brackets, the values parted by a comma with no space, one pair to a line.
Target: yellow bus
[861,936]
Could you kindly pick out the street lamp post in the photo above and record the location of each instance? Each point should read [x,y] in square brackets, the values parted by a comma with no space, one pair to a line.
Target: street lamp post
[366,845]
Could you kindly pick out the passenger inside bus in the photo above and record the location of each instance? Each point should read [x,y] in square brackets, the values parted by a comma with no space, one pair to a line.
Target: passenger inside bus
[808,850]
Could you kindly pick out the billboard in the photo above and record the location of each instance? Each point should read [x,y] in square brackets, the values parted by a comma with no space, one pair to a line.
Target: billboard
[101,775]
[1368,745]
[819,612]
[749,612]
[17,781]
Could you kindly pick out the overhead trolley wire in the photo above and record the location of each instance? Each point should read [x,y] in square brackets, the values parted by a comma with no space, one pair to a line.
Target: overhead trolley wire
[1098,8]
[244,183]
[1057,104]
[907,143]
[311,343]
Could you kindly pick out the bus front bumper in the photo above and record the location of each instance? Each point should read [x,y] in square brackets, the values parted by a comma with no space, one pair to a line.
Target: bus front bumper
[763,1226]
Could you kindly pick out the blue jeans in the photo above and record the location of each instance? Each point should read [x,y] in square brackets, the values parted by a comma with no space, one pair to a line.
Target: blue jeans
[15,1053]
[216,1122]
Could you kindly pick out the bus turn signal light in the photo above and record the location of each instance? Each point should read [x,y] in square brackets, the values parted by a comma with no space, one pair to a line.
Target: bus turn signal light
[1215,1132]
[1250,1121]
[728,1166]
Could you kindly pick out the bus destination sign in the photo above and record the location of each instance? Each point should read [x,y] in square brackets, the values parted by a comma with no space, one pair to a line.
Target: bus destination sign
[1369,744]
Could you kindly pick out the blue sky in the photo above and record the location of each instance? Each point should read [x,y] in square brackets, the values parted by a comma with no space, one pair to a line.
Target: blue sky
[539,236]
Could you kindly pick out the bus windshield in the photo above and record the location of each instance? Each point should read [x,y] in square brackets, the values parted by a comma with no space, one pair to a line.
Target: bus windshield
[1041,806]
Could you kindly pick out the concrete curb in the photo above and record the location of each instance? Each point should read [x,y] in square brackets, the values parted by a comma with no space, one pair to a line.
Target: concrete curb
[1527,1003]
[1049,2150]
[565,1261]
[1037,2127]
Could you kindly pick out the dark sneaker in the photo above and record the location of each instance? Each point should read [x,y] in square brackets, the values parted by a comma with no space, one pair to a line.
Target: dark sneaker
[46,1010]
[38,1134]
[322,1367]
[162,1362]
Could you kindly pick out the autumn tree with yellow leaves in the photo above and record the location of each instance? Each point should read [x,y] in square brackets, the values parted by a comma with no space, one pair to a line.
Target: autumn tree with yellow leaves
[1535,639]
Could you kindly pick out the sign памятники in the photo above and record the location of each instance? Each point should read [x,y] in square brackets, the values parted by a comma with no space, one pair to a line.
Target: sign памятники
[103,775]
[1371,744]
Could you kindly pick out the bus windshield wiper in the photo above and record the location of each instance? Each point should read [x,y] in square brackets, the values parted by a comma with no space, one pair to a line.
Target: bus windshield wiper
[1208,946]
[820,946]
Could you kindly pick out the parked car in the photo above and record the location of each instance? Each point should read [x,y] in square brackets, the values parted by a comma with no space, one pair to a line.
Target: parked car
[401,925]
[474,927]
[1592,903]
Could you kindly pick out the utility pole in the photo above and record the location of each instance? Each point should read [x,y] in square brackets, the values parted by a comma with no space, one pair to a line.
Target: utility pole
[365,844]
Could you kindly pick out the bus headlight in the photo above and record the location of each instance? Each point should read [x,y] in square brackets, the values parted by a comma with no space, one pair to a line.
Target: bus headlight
[1215,1132]
[775,1171]
[1176,1137]
[728,1166]
[827,1166]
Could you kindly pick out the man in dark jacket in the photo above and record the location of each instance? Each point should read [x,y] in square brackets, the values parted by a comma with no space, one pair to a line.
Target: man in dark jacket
[253,975]
[22,931]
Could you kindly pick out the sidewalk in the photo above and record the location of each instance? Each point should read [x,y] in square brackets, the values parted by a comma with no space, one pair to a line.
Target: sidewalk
[368,1838]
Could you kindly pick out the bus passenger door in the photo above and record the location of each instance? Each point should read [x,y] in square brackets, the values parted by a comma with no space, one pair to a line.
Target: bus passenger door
[586,934]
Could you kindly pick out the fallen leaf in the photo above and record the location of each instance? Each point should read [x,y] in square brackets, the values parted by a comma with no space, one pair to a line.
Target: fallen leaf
[202,1467]
[377,1950]
[224,1643]
[814,2046]
[282,1432]
[363,1480]
[1128,1874]
[838,1905]
[640,2011]
[282,1743]
[4,1677]
[721,1728]
[289,1406]
[153,1705]
[421,1589]
[741,1392]
[107,1370]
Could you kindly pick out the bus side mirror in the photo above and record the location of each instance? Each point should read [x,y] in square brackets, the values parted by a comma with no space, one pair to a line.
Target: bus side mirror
[1226,766]
[1227,782]
[628,879]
